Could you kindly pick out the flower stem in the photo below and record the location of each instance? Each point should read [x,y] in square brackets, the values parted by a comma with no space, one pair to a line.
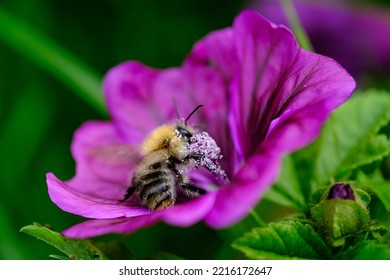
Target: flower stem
[296,25]
[257,218]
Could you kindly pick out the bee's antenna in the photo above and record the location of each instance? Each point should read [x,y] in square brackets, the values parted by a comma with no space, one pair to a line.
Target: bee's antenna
[176,108]
[189,116]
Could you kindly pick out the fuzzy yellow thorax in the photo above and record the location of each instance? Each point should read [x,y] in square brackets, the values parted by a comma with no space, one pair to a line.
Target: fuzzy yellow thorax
[158,139]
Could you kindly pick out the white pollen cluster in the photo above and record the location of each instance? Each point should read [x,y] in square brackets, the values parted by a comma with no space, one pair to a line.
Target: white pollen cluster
[203,144]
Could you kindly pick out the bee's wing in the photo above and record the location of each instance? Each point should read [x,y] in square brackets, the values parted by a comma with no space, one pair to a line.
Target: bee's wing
[117,154]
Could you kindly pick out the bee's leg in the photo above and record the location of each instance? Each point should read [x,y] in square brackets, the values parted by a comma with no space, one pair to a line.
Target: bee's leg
[183,181]
[192,190]
[202,161]
[128,193]
[196,157]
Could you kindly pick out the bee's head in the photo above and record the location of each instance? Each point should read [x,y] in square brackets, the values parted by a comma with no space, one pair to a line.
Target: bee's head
[183,129]
[184,132]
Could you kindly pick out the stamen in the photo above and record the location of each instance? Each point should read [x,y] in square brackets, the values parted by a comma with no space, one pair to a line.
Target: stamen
[202,144]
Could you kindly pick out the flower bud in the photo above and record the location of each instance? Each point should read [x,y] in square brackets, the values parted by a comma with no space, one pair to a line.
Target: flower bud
[341,191]
[341,216]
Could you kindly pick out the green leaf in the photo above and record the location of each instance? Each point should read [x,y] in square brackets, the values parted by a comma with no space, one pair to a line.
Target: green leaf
[287,190]
[50,56]
[377,185]
[59,257]
[287,239]
[382,190]
[351,139]
[77,249]
[367,250]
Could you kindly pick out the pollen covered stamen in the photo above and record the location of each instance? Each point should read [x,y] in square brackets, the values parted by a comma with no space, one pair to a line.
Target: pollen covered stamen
[202,144]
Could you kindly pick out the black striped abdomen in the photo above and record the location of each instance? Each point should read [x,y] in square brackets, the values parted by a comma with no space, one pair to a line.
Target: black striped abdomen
[155,185]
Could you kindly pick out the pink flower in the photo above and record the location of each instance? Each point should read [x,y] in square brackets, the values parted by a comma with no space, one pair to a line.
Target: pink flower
[263,97]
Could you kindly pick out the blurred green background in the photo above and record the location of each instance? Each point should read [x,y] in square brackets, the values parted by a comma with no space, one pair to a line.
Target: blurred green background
[39,113]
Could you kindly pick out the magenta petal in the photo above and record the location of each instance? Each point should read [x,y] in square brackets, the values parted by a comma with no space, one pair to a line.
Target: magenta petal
[283,79]
[128,89]
[216,51]
[185,89]
[75,202]
[98,227]
[182,215]
[265,53]
[318,86]
[102,156]
[188,213]
[235,201]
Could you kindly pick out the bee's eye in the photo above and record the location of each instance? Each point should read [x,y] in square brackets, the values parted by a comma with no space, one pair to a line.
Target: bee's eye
[184,132]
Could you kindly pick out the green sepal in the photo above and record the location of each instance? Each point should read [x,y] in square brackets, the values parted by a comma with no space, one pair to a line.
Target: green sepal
[341,222]
[78,249]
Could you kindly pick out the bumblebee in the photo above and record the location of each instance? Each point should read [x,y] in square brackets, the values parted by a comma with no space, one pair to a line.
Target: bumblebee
[165,161]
